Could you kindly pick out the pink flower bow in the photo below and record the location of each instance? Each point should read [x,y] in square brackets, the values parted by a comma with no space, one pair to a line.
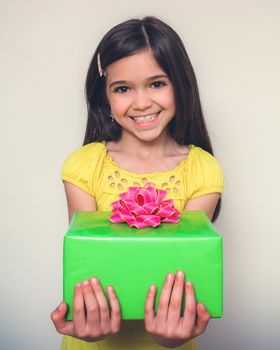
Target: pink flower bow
[144,206]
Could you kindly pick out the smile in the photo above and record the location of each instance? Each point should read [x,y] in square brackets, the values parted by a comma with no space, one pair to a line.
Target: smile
[145,119]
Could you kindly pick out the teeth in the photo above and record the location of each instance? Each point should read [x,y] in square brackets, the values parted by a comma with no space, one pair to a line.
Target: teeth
[146,119]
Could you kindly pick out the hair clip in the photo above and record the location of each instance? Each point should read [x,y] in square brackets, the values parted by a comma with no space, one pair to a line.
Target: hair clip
[100,69]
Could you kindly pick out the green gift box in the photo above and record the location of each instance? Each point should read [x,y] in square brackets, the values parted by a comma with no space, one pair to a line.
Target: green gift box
[132,259]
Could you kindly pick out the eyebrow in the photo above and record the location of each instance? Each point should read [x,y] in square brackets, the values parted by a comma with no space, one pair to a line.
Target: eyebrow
[148,79]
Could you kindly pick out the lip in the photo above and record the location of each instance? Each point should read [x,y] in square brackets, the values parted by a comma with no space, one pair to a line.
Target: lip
[143,115]
[147,124]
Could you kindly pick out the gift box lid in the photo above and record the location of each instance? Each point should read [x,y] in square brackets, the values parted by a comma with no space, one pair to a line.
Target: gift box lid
[194,224]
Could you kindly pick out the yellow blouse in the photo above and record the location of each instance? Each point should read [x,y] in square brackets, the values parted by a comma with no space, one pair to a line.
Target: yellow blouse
[92,169]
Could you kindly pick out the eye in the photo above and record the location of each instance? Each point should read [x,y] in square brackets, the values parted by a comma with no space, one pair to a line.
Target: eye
[121,89]
[158,84]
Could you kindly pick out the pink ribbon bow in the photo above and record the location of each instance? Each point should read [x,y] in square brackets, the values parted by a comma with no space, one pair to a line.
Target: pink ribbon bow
[144,206]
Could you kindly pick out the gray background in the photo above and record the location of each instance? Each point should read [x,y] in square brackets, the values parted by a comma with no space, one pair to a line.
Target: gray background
[46,47]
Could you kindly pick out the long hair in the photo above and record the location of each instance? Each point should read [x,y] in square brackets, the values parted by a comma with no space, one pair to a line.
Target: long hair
[125,39]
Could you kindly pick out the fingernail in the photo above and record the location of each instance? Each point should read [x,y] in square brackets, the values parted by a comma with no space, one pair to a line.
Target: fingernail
[85,283]
[189,284]
[94,280]
[180,274]
[169,277]
[202,306]
[60,306]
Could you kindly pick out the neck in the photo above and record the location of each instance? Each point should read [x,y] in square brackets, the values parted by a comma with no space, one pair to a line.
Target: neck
[146,149]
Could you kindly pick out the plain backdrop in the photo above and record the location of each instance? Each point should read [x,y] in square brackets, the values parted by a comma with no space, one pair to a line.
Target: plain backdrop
[46,47]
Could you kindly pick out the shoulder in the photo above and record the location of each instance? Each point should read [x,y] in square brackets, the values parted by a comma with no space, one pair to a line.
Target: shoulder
[205,173]
[78,168]
[84,156]
[86,152]
[203,160]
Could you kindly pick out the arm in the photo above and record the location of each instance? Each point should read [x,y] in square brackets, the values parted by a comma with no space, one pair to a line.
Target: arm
[78,200]
[207,203]
[98,321]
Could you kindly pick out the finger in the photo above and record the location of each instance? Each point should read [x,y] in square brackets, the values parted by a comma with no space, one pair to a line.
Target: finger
[190,309]
[58,317]
[174,310]
[102,304]
[92,309]
[115,310]
[149,309]
[203,317]
[164,299]
[79,319]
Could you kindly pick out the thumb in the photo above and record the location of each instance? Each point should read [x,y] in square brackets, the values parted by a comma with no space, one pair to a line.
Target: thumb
[58,317]
[203,317]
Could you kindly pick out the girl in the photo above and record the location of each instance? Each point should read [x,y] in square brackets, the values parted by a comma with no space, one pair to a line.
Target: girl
[145,124]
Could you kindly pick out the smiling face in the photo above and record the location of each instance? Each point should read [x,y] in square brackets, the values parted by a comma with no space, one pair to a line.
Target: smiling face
[140,95]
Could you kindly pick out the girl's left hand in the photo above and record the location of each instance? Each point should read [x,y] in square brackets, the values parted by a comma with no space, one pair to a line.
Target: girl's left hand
[167,326]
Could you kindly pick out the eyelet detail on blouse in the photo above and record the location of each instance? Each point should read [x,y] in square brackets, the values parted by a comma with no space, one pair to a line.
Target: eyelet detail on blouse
[118,183]
[172,185]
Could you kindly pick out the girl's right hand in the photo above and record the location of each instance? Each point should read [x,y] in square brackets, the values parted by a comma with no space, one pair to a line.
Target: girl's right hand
[92,320]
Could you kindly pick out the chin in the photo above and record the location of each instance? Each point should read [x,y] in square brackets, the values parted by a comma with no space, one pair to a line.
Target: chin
[149,137]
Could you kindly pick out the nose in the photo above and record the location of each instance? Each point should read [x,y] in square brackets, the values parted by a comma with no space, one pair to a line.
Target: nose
[142,100]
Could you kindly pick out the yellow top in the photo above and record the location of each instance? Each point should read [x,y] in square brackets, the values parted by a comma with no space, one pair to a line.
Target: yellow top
[92,169]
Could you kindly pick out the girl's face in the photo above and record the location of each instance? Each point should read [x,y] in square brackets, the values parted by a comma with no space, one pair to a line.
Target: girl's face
[141,96]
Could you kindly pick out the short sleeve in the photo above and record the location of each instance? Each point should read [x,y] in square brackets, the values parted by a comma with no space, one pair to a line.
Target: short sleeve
[79,168]
[205,174]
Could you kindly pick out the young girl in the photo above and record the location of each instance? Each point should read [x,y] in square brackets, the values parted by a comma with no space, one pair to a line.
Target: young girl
[145,124]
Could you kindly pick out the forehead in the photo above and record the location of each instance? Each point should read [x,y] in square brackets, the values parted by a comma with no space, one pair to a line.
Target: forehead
[139,66]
